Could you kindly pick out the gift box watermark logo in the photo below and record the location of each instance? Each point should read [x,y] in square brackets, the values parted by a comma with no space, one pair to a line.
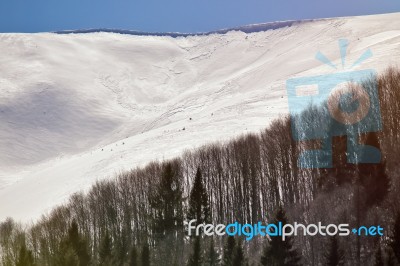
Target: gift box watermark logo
[345,103]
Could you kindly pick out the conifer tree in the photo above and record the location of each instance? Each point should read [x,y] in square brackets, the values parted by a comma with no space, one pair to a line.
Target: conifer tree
[167,202]
[199,211]
[212,258]
[378,257]
[279,252]
[105,252]
[238,257]
[373,177]
[198,202]
[133,259]
[390,258]
[229,251]
[67,256]
[195,257]
[334,255]
[25,257]
[395,237]
[74,249]
[145,255]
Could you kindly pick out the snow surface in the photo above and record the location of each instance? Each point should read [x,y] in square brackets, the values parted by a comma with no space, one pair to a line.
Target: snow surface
[76,108]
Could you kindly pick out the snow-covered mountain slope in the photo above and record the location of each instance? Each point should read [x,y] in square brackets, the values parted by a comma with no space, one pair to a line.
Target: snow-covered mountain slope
[75,108]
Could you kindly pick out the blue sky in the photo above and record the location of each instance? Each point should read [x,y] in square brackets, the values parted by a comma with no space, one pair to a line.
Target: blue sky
[173,15]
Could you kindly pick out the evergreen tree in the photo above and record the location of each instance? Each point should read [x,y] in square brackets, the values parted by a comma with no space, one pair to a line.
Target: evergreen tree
[67,255]
[212,255]
[74,249]
[229,251]
[378,257]
[195,257]
[238,257]
[133,260]
[390,259]
[198,202]
[145,256]
[105,252]
[373,177]
[395,237]
[199,211]
[25,257]
[121,251]
[334,256]
[167,202]
[279,252]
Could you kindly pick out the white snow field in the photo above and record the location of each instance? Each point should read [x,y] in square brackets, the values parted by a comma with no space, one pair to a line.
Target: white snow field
[81,107]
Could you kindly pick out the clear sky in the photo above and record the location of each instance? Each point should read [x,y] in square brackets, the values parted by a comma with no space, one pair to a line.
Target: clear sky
[173,15]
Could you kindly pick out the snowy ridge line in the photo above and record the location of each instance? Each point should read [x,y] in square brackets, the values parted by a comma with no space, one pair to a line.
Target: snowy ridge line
[251,28]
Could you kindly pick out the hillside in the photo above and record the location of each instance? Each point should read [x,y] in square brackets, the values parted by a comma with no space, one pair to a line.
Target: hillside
[79,107]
